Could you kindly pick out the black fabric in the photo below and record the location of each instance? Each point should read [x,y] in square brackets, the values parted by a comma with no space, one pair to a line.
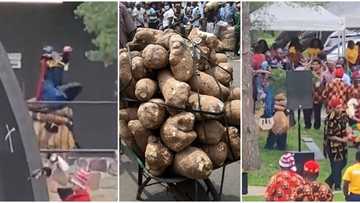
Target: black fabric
[313,114]
[276,141]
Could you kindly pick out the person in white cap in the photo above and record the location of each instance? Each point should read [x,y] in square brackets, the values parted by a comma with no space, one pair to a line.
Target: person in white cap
[282,185]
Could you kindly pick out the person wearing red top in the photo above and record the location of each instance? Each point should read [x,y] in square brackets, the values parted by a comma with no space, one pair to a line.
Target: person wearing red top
[336,88]
[312,190]
[282,185]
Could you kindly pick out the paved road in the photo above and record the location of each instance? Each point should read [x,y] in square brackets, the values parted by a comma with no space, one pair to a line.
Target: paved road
[128,173]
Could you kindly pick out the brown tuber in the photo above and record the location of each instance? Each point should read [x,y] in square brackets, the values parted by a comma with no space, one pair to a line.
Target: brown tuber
[232,137]
[180,59]
[175,93]
[157,156]
[152,114]
[232,112]
[155,56]
[217,153]
[193,163]
[177,132]
[128,114]
[209,132]
[208,104]
[145,89]
[140,134]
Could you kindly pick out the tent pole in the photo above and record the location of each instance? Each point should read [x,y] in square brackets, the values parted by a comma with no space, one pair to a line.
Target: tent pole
[343,41]
[339,40]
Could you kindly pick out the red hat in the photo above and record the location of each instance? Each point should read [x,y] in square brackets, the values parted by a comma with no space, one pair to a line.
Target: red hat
[335,102]
[339,72]
[312,166]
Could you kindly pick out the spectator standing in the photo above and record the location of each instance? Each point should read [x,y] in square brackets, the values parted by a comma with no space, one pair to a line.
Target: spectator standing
[168,16]
[127,25]
[314,49]
[195,15]
[335,139]
[318,87]
[351,53]
[312,190]
[152,17]
[351,181]
[138,14]
[283,184]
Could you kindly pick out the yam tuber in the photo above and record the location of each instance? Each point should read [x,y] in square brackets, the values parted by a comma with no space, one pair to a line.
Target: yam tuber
[208,104]
[177,132]
[232,112]
[125,69]
[180,59]
[221,58]
[143,37]
[138,69]
[155,56]
[152,114]
[157,156]
[125,134]
[128,114]
[223,75]
[193,163]
[175,93]
[234,93]
[217,153]
[145,89]
[209,132]
[207,85]
[140,134]
[232,137]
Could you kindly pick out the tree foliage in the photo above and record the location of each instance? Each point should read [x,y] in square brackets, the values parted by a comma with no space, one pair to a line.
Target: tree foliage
[100,19]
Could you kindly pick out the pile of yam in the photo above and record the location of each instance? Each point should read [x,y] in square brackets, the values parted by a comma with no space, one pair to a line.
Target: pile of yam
[181,113]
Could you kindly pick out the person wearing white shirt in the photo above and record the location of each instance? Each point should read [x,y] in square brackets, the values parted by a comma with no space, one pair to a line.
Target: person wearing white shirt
[138,15]
[167,16]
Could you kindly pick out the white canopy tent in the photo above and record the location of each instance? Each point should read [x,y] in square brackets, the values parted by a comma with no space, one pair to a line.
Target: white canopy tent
[350,11]
[290,16]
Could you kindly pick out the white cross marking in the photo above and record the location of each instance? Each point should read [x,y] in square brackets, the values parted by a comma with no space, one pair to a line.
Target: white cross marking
[8,137]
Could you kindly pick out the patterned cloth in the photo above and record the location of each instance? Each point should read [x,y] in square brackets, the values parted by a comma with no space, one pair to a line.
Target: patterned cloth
[335,88]
[282,186]
[335,125]
[354,92]
[313,191]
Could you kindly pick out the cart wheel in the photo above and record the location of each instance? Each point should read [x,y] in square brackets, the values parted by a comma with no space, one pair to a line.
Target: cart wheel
[190,190]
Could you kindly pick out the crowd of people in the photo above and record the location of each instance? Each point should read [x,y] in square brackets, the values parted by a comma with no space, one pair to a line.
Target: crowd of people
[183,16]
[336,86]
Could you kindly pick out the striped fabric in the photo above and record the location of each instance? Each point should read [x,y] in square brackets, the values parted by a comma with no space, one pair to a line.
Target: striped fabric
[288,161]
[80,178]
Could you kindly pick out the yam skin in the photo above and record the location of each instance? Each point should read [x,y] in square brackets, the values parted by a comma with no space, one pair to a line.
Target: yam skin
[205,38]
[138,69]
[224,77]
[214,131]
[152,115]
[125,69]
[234,93]
[180,59]
[233,139]
[140,134]
[217,153]
[177,132]
[208,104]
[126,135]
[221,58]
[143,37]
[157,157]
[155,56]
[232,112]
[175,93]
[128,114]
[164,39]
[207,85]
[145,89]
[193,163]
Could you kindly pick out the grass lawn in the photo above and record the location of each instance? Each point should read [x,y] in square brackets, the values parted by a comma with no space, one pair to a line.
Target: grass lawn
[270,158]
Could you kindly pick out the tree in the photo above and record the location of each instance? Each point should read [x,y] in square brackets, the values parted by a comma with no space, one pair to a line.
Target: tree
[100,19]
[250,149]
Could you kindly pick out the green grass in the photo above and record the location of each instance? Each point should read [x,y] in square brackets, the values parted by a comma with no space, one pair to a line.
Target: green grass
[338,197]
[270,158]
